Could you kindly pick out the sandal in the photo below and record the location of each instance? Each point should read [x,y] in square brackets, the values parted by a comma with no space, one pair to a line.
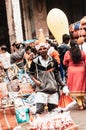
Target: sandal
[80,108]
[84,105]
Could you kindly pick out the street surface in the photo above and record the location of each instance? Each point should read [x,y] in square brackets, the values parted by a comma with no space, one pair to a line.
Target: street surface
[79,118]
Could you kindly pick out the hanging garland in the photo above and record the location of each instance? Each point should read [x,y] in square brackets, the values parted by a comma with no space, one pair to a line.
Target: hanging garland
[39,6]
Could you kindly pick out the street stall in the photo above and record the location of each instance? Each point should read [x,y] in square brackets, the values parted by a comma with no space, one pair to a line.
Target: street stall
[17,108]
[13,88]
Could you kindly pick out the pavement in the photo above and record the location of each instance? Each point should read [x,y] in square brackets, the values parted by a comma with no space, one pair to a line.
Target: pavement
[79,117]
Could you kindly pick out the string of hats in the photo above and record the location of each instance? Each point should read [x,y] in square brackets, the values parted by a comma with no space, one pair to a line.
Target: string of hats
[78,30]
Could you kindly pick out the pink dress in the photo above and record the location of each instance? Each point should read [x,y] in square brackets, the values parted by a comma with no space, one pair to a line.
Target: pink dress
[76,75]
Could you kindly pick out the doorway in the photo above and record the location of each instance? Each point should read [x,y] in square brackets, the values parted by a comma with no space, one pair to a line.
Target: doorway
[4,35]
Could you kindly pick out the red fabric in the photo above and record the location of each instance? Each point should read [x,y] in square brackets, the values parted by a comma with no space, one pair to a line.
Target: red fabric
[65,100]
[2,121]
[76,74]
[55,55]
[7,118]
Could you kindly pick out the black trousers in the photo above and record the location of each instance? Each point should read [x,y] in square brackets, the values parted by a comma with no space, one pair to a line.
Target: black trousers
[40,107]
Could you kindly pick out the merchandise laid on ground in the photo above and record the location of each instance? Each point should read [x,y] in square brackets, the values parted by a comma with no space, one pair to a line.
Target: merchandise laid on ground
[23,118]
[17,108]
[18,113]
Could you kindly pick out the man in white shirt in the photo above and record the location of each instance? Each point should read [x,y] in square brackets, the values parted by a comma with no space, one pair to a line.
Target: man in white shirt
[5,57]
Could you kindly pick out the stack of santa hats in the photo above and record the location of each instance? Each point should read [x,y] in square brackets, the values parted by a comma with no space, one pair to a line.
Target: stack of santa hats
[41,40]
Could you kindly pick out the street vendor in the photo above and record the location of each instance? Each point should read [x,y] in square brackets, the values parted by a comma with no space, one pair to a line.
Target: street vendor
[17,56]
[45,73]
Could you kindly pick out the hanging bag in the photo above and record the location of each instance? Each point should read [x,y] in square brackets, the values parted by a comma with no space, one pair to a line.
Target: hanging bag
[66,101]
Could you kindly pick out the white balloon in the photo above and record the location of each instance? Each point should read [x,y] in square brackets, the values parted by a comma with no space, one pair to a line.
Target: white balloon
[57,23]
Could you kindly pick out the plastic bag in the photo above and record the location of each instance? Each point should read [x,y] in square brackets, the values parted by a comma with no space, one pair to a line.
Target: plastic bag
[11,75]
[13,85]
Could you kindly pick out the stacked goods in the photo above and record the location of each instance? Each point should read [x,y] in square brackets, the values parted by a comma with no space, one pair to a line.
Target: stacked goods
[53,121]
[83,22]
[78,30]
[2,74]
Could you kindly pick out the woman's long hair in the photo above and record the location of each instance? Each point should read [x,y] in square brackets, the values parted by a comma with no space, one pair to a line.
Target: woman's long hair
[75,52]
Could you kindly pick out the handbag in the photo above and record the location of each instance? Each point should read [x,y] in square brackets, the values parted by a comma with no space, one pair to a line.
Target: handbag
[66,101]
[48,82]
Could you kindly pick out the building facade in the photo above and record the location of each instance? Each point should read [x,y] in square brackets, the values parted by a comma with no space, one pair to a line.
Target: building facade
[21,19]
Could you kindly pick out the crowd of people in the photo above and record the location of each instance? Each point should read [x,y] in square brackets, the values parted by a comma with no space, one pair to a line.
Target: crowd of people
[52,67]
